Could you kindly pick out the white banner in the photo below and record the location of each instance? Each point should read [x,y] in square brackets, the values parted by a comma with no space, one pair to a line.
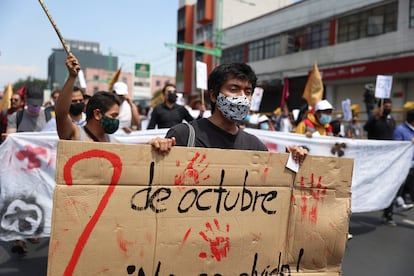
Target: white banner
[28,171]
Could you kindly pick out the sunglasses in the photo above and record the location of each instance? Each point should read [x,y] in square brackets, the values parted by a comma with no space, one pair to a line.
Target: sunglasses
[14,100]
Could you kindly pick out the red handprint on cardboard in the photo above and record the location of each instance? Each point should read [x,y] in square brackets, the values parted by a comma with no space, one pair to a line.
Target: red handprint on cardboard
[193,171]
[219,243]
[311,196]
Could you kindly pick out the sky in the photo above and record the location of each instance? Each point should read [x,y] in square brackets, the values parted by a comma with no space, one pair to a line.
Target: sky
[133,30]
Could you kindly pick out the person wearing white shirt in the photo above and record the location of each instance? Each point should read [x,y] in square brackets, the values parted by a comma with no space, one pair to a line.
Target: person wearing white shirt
[128,112]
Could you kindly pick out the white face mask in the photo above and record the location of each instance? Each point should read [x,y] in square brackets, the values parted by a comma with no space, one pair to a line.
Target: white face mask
[234,108]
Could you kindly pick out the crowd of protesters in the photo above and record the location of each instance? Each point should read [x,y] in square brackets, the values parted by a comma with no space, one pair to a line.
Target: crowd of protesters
[78,116]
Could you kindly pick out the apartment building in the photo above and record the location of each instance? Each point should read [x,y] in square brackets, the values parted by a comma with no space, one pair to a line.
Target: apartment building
[351,41]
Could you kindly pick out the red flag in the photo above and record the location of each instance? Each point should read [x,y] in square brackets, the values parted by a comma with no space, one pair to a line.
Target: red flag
[285,93]
[22,93]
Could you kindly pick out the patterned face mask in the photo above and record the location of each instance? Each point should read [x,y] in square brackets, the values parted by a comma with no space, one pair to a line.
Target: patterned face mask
[234,108]
[110,125]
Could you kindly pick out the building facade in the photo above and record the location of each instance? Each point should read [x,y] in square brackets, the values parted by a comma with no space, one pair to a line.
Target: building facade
[87,52]
[99,80]
[351,41]
[200,24]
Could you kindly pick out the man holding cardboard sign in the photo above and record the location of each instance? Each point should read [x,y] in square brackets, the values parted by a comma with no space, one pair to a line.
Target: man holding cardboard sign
[230,88]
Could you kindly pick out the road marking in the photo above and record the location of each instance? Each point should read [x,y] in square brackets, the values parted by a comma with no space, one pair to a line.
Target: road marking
[408,221]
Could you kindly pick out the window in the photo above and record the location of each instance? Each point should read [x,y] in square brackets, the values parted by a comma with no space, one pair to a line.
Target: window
[256,50]
[201,9]
[264,48]
[181,19]
[271,47]
[181,36]
[96,77]
[180,61]
[411,19]
[311,37]
[372,22]
[204,32]
[157,83]
[234,54]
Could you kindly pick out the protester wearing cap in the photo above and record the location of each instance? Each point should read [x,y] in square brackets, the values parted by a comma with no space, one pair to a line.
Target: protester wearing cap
[30,119]
[317,122]
[128,111]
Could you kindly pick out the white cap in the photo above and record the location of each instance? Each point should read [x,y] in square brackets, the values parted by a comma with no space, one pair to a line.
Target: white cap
[323,105]
[263,118]
[120,88]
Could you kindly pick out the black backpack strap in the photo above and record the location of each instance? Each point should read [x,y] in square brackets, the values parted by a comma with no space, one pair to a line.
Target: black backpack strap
[48,114]
[19,118]
[191,135]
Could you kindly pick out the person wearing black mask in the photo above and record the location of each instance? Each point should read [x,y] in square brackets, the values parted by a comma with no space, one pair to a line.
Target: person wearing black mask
[76,107]
[101,112]
[76,113]
[381,127]
[168,113]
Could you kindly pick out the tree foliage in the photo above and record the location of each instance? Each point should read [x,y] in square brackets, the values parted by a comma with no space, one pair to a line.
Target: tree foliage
[29,81]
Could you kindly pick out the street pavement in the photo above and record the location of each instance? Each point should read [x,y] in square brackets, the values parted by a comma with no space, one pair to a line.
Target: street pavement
[376,249]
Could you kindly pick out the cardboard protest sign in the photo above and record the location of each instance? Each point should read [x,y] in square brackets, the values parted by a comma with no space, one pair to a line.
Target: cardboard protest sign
[126,210]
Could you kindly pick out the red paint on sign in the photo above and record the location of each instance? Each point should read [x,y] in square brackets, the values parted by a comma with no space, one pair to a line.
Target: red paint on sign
[67,176]
[192,172]
[219,244]
[31,153]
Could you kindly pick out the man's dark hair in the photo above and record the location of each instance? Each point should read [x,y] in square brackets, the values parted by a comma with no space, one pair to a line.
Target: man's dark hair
[54,92]
[223,72]
[384,101]
[167,85]
[410,115]
[103,101]
[336,127]
[76,88]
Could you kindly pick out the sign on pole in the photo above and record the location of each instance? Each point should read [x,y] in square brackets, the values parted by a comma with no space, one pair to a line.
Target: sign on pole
[346,107]
[256,99]
[142,82]
[201,72]
[383,87]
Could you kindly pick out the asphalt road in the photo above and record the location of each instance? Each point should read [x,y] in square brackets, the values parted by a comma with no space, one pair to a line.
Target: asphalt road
[376,249]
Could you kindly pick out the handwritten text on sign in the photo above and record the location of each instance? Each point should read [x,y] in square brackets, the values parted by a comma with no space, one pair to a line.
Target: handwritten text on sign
[239,220]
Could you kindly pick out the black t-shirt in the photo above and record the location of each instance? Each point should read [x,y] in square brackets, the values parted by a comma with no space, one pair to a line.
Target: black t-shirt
[208,135]
[381,128]
[165,117]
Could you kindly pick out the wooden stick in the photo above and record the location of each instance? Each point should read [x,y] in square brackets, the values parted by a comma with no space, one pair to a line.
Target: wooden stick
[202,97]
[62,40]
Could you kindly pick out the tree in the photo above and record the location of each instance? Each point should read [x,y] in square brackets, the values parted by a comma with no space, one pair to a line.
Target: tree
[29,81]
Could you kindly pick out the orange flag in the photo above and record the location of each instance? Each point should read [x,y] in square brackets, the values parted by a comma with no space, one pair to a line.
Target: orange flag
[314,87]
[7,94]
[114,79]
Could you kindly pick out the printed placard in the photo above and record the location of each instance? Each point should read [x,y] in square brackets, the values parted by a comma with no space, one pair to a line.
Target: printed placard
[383,87]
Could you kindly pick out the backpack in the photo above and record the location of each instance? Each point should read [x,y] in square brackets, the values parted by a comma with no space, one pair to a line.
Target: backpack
[191,135]
[19,117]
